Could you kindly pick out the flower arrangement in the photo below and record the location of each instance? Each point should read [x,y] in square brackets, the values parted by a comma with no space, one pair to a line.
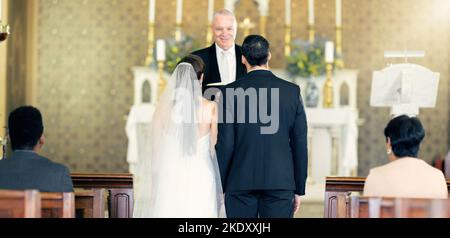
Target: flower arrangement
[175,51]
[308,59]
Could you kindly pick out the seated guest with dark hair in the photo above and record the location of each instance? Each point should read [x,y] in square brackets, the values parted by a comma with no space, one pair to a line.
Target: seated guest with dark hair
[406,175]
[26,169]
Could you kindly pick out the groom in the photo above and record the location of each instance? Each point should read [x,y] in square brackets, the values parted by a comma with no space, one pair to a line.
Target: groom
[262,158]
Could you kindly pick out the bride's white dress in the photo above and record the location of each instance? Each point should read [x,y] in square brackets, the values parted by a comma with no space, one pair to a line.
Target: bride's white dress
[180,175]
[187,187]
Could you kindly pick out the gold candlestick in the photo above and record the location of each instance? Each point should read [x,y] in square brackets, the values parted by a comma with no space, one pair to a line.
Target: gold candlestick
[328,88]
[262,25]
[178,32]
[339,61]
[312,33]
[161,81]
[287,40]
[209,35]
[338,40]
[151,44]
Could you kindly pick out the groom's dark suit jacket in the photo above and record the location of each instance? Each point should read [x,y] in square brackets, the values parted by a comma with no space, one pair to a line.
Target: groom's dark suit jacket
[249,160]
[212,73]
[28,170]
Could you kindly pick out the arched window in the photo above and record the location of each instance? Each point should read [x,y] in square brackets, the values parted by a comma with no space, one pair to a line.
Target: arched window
[344,93]
[146,92]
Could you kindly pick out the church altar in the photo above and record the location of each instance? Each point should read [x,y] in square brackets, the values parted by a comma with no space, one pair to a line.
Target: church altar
[140,117]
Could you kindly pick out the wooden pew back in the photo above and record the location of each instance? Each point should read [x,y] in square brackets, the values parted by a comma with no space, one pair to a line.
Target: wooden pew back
[58,205]
[340,188]
[90,203]
[20,204]
[119,189]
[376,207]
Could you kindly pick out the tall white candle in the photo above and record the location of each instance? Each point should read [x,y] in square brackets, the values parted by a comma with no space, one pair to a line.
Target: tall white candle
[160,50]
[287,6]
[210,10]
[179,11]
[151,11]
[311,12]
[329,52]
[229,5]
[338,12]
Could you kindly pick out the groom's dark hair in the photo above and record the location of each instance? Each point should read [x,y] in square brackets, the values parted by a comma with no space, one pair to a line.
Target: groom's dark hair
[256,50]
[196,62]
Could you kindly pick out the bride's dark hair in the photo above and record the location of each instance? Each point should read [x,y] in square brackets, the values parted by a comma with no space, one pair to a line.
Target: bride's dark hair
[196,62]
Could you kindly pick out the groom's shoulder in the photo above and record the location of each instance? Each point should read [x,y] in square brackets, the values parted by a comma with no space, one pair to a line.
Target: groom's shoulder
[286,83]
[288,88]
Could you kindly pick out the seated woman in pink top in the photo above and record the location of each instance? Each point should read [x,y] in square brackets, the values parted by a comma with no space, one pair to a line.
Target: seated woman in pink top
[406,175]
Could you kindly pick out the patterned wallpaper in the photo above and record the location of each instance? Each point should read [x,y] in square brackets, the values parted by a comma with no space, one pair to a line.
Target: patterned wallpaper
[86,51]
[375,26]
[17,51]
[87,47]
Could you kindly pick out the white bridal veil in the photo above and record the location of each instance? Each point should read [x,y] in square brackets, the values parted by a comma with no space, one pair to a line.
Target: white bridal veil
[171,177]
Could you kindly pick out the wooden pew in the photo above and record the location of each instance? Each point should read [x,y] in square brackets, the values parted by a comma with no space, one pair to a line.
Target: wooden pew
[340,188]
[375,207]
[20,204]
[90,203]
[119,188]
[57,205]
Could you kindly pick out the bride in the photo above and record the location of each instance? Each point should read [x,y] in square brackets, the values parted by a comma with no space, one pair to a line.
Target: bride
[181,177]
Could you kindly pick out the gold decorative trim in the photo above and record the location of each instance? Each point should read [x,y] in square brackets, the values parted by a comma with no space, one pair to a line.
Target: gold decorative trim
[263,25]
[151,44]
[287,40]
[311,33]
[209,35]
[339,61]
[328,88]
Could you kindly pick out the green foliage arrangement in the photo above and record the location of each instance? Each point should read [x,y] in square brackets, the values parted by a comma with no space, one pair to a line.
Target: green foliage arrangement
[308,59]
[175,51]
